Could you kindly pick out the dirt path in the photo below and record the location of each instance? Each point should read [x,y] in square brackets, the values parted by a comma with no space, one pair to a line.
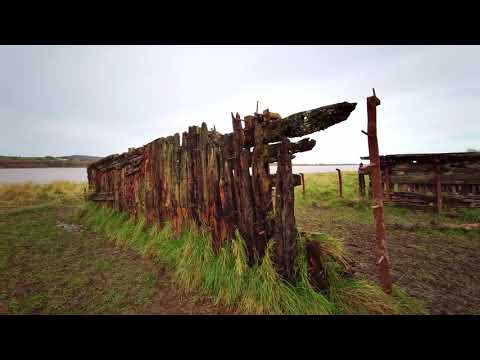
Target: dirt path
[53,265]
[437,267]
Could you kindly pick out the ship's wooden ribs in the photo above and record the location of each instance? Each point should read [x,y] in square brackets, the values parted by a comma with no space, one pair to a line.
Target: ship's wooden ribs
[302,123]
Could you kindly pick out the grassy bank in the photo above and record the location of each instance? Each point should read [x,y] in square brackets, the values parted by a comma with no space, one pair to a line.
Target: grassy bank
[255,290]
[21,195]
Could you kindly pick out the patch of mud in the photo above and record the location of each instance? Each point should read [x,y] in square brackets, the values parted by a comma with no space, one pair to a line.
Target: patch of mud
[72,228]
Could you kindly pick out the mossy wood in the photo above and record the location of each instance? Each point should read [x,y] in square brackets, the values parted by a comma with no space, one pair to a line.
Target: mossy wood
[216,180]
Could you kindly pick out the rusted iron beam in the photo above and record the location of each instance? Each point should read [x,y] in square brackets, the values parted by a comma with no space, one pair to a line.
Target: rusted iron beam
[340,184]
[383,261]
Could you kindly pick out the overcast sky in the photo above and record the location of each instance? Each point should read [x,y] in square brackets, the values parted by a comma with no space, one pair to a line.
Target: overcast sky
[98,100]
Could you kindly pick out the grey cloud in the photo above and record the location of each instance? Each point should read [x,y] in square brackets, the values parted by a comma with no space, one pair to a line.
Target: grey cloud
[103,99]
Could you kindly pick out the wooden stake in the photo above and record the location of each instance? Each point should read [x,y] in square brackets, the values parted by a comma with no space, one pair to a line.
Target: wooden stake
[340,185]
[361,182]
[377,192]
[303,184]
[438,189]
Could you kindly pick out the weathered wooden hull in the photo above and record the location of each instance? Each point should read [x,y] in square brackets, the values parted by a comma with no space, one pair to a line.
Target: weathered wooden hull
[206,179]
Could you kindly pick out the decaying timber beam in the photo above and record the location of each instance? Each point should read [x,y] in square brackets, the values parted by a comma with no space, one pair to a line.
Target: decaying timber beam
[295,147]
[285,229]
[297,179]
[302,123]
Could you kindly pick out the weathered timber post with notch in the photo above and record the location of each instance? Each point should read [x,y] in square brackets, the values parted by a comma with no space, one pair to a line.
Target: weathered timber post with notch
[340,184]
[383,261]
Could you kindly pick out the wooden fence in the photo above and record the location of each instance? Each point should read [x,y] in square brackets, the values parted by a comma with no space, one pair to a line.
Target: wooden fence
[429,181]
[217,181]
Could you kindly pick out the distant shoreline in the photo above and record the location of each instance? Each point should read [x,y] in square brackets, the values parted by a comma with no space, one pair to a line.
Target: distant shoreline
[32,164]
[325,164]
[73,161]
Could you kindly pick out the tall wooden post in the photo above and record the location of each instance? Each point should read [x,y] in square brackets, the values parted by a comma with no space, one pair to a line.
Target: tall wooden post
[377,192]
[340,185]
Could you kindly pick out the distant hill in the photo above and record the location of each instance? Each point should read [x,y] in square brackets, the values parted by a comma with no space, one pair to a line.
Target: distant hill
[47,161]
[81,157]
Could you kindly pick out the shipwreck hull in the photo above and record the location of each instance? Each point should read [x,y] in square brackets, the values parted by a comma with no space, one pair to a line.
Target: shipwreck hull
[219,181]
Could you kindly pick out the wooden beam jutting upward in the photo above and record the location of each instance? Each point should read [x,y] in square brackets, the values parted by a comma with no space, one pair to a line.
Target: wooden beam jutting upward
[383,261]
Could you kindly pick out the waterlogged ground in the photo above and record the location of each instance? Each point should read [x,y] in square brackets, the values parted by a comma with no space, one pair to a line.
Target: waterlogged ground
[439,267]
[50,264]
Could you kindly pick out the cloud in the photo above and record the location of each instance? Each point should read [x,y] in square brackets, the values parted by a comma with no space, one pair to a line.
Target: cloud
[103,99]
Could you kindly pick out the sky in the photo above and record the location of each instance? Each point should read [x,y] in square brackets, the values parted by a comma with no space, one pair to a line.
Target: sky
[100,100]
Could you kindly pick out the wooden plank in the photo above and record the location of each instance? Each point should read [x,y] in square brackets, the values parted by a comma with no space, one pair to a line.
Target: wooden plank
[285,230]
[262,190]
[243,188]
[302,123]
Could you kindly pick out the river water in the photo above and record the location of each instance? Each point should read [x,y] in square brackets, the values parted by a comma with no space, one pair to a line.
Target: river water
[46,175]
[42,175]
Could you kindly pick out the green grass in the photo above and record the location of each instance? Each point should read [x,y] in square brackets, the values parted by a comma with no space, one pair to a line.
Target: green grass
[227,279]
[322,196]
[47,270]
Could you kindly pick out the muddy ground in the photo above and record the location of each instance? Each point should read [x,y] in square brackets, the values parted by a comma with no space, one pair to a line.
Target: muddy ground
[441,268]
[52,265]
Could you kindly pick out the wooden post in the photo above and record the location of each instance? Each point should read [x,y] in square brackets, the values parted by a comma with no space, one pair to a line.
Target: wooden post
[340,185]
[361,182]
[387,183]
[303,184]
[438,189]
[377,192]
[285,230]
